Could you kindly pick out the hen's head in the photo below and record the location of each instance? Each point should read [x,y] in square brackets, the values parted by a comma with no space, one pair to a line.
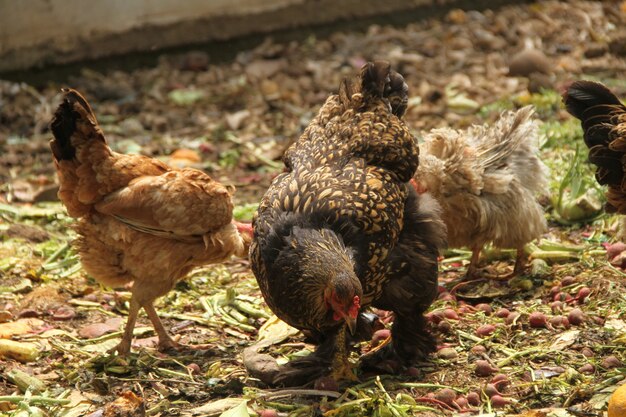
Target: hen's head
[342,298]
[323,270]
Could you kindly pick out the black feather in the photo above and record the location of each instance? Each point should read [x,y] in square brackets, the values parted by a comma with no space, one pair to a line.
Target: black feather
[582,95]
[63,126]
[375,77]
[345,229]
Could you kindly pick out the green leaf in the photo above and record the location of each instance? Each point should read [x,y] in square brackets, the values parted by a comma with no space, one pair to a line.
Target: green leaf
[185,97]
[245,212]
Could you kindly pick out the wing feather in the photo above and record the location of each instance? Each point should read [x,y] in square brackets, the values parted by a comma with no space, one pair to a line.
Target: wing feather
[179,204]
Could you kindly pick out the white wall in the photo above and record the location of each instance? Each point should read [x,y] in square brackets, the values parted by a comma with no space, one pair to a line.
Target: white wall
[40,32]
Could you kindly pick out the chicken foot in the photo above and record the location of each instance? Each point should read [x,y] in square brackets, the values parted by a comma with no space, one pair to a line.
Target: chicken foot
[473,272]
[330,360]
[166,342]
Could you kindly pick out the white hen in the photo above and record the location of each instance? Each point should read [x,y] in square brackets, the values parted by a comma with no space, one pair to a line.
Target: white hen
[486,179]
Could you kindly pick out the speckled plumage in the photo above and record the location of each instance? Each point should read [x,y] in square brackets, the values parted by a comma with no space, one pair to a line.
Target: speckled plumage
[140,221]
[486,179]
[342,207]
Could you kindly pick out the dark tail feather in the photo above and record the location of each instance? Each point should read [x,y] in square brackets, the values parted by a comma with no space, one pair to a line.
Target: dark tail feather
[371,81]
[63,125]
[375,77]
[378,80]
[397,92]
[603,118]
[584,95]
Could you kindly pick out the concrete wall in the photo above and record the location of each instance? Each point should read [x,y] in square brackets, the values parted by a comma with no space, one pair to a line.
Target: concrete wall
[34,33]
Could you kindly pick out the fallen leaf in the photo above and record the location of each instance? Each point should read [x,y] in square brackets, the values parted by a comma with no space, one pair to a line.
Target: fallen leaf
[234,120]
[127,405]
[548,372]
[565,339]
[260,365]
[64,313]
[16,285]
[20,351]
[240,410]
[264,68]
[101,347]
[79,405]
[5,316]
[615,324]
[275,331]
[95,330]
[216,408]
[49,193]
[31,233]
[19,327]
[146,342]
[22,191]
[185,97]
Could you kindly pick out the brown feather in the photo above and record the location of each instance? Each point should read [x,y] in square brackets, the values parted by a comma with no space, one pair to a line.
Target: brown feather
[139,221]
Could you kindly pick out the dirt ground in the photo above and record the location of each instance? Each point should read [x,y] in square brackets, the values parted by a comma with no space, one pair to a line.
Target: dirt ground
[234,120]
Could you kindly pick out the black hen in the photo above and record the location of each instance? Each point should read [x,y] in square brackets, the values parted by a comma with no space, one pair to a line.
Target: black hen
[342,229]
[603,119]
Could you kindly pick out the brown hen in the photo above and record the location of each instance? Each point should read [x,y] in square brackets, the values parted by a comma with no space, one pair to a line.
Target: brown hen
[140,221]
[342,229]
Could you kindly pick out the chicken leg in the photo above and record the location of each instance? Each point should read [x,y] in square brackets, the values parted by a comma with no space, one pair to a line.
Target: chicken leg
[123,348]
[341,366]
[518,268]
[473,270]
[409,291]
[165,340]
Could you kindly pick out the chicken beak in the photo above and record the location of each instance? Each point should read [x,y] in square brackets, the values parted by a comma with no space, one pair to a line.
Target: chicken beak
[351,322]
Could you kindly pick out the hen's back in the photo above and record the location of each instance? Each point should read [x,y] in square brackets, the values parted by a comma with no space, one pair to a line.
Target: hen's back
[510,146]
[350,167]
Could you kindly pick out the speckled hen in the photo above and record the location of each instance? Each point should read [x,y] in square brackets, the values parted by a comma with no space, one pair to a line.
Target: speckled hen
[342,229]
[140,221]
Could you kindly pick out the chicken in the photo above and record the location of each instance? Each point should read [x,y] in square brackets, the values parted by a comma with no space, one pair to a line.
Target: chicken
[486,179]
[603,119]
[342,229]
[140,221]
